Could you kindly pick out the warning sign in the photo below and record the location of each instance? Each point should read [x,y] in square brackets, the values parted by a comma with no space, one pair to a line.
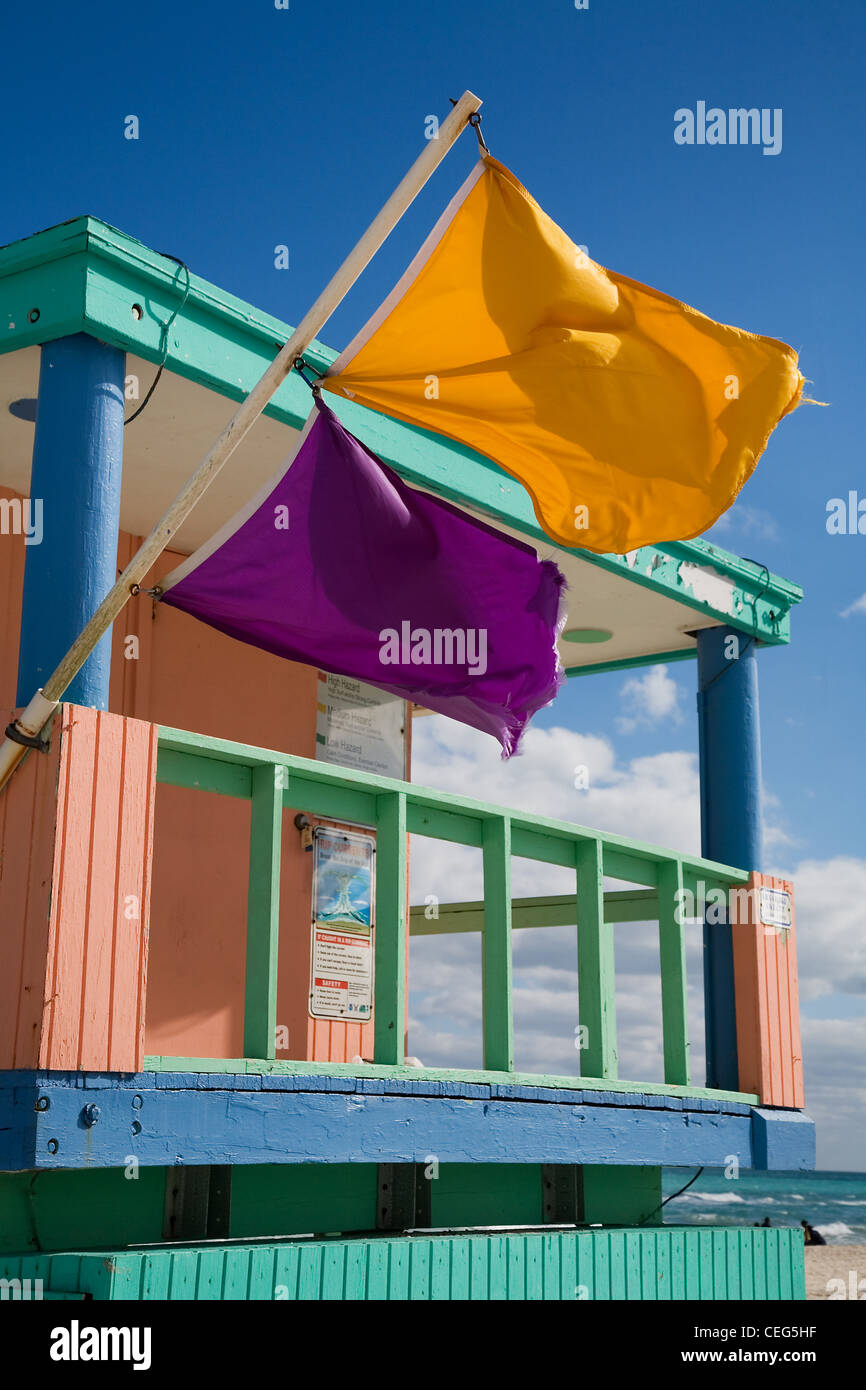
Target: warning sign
[341,960]
[359,726]
[775,907]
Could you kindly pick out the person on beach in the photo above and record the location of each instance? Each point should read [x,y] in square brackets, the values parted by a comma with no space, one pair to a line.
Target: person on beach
[812,1237]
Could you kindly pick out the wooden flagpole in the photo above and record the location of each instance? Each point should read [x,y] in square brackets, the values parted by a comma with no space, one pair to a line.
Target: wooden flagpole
[45,701]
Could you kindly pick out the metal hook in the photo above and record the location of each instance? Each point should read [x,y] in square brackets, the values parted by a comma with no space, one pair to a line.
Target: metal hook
[300,366]
[475,122]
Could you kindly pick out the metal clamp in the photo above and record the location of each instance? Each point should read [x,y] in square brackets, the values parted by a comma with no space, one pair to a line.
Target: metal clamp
[27,740]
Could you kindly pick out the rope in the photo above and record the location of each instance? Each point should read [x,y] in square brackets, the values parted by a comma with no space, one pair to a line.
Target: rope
[672,1196]
[165,327]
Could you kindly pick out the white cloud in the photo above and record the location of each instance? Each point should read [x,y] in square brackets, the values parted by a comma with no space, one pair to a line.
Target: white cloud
[648,699]
[655,799]
[745,521]
[830,901]
[652,798]
[833,1053]
[858,606]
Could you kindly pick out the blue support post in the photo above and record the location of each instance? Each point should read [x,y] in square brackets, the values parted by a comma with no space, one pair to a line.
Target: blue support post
[77,463]
[731,816]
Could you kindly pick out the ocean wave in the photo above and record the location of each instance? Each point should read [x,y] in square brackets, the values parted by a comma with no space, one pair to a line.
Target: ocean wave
[849,1203]
[835,1228]
[719,1197]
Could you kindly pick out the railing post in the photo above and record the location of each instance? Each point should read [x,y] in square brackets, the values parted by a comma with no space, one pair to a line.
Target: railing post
[389,997]
[672,954]
[263,912]
[496,946]
[595,966]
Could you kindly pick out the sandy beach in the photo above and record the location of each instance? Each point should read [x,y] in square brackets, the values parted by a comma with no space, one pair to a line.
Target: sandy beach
[825,1263]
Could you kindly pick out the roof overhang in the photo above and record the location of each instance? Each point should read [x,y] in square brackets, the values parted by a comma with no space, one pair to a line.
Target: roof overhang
[85,277]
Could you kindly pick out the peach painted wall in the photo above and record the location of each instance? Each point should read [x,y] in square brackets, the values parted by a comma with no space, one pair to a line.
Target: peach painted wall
[188,675]
[193,677]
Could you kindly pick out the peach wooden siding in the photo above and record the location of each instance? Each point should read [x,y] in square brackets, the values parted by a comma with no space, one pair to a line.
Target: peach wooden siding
[74,973]
[768,1010]
[28,818]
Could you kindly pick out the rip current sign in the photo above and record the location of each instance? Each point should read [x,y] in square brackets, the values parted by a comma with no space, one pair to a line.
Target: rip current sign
[341,959]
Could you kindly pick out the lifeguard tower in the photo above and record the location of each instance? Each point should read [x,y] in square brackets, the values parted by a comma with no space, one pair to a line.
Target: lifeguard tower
[184,1112]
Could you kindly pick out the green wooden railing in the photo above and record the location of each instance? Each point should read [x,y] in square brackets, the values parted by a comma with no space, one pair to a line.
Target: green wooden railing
[272,781]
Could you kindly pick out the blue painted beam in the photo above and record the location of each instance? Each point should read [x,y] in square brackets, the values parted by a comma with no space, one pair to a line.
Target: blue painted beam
[77,463]
[77,1121]
[783,1139]
[731,816]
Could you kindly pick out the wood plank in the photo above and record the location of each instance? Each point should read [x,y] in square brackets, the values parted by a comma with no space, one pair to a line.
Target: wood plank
[534,842]
[70,888]
[355,804]
[389,999]
[672,954]
[326,1124]
[796,1095]
[631,868]
[197,772]
[263,913]
[639,905]
[134,878]
[252,1066]
[439,824]
[595,966]
[496,964]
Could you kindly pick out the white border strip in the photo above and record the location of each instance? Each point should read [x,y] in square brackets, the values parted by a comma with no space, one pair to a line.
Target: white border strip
[234,524]
[410,274]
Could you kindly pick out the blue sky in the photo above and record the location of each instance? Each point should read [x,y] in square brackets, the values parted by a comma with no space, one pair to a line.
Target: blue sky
[261,126]
[267,126]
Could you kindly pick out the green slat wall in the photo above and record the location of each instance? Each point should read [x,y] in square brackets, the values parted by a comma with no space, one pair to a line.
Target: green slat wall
[662,1263]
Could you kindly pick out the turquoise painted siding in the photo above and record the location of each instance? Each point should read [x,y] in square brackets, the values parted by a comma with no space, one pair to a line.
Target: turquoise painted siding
[662,1263]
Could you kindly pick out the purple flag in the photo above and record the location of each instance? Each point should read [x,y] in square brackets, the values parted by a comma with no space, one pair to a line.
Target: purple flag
[340,564]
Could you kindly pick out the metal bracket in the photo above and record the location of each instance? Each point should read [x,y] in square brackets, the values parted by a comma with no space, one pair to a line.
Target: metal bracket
[562,1194]
[197,1202]
[404,1197]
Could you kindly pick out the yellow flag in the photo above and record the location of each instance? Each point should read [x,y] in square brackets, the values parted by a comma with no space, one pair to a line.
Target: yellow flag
[628,417]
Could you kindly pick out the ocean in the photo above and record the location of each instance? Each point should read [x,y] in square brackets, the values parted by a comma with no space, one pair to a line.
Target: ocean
[834,1203]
